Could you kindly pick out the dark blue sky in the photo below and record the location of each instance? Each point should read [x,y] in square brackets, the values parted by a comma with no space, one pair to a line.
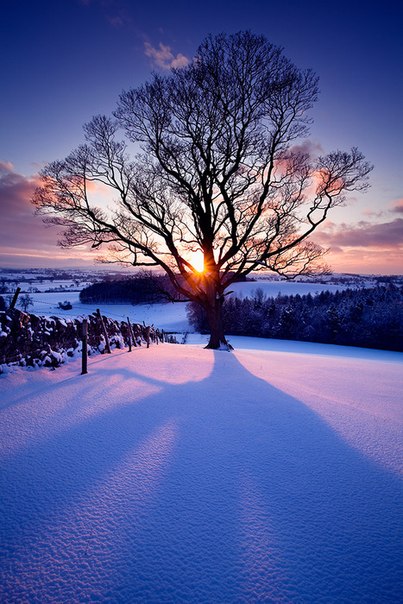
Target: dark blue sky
[66,60]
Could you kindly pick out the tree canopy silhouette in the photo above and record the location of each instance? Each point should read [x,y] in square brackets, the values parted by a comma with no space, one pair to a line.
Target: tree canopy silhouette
[206,160]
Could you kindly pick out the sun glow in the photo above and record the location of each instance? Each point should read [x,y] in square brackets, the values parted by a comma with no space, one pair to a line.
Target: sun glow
[197,261]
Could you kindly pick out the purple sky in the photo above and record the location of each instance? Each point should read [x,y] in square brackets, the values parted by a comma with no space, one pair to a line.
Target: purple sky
[66,60]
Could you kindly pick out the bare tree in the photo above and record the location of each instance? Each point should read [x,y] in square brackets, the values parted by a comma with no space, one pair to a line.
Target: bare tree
[26,301]
[220,173]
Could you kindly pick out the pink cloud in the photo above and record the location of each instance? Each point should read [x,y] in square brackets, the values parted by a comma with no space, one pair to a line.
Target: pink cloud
[6,166]
[398,206]
[364,234]
[373,213]
[20,229]
[366,261]
[308,147]
[366,247]
[163,57]
[25,241]
[372,248]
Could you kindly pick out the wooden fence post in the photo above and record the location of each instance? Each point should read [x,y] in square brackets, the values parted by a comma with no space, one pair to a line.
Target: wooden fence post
[107,345]
[147,335]
[14,300]
[131,334]
[84,354]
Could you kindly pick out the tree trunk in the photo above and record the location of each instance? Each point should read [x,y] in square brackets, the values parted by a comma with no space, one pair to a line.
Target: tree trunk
[217,339]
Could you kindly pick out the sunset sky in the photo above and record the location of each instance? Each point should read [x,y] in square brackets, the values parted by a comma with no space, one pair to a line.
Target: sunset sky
[64,61]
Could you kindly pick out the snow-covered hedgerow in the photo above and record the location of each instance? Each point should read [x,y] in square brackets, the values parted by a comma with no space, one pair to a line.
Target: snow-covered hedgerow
[30,340]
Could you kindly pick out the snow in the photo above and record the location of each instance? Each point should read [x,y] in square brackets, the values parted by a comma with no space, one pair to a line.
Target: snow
[179,474]
[170,317]
[272,289]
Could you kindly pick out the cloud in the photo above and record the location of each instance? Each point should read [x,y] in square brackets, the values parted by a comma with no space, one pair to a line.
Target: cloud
[20,229]
[366,261]
[163,57]
[398,206]
[366,247]
[308,147]
[6,166]
[373,213]
[116,20]
[118,17]
[364,234]
[113,11]
[25,241]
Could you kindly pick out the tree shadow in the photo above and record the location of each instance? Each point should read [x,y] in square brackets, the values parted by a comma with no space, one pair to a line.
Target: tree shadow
[219,490]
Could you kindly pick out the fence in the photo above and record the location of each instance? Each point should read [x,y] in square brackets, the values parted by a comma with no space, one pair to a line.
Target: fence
[31,340]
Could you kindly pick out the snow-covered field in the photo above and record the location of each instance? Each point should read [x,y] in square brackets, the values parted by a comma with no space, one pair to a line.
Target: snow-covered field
[178,474]
[170,317]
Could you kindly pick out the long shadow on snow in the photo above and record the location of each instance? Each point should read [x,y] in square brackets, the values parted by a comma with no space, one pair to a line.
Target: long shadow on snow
[263,501]
[257,500]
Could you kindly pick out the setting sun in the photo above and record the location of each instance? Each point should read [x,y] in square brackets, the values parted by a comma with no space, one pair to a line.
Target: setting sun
[197,261]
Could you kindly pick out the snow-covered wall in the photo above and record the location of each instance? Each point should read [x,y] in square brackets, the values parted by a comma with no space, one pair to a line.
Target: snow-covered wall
[32,340]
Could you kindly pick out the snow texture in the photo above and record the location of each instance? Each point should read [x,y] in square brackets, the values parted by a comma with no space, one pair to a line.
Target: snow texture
[178,474]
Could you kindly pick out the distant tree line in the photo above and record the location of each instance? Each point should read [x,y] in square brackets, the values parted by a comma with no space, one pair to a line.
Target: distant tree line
[144,288]
[368,317]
